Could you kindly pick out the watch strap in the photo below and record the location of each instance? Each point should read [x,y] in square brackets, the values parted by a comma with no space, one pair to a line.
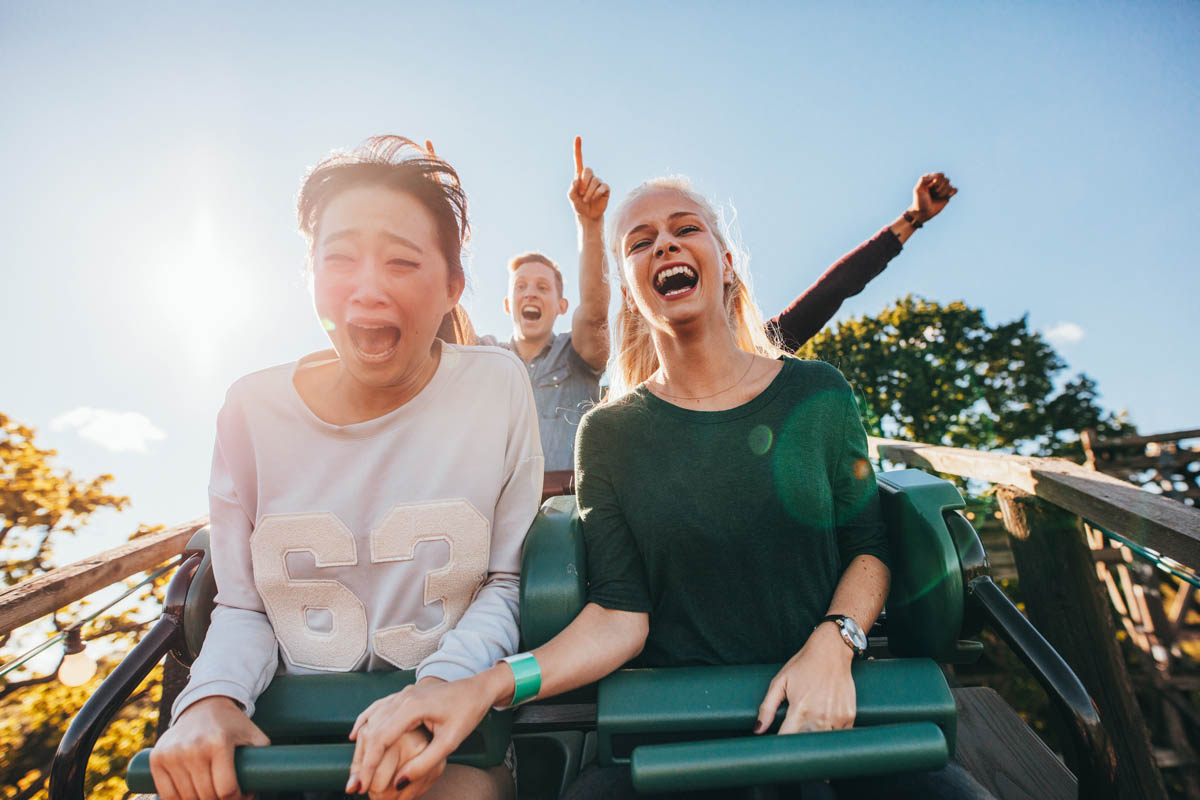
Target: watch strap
[840,621]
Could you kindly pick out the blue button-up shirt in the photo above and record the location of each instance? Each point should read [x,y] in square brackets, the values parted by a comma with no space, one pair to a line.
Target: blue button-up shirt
[564,388]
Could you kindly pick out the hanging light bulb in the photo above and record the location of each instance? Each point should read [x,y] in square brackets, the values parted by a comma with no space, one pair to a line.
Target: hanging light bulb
[77,667]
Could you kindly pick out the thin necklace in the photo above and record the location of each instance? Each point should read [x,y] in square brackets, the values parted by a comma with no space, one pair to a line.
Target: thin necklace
[714,394]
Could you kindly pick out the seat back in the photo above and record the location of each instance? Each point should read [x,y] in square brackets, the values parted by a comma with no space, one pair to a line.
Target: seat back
[553,572]
[200,601]
[928,544]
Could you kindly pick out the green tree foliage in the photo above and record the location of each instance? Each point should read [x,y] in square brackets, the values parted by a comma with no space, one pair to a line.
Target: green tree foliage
[40,503]
[940,374]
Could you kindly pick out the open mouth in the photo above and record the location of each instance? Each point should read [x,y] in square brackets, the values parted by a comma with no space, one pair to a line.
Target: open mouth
[531,313]
[374,342]
[676,280]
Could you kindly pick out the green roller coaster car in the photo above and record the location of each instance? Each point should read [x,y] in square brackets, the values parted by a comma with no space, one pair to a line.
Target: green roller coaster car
[680,729]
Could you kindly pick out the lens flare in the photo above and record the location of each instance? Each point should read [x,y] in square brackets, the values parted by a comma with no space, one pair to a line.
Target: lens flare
[760,440]
[327,323]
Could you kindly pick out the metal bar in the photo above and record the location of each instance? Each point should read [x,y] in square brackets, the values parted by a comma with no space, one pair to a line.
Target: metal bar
[1098,778]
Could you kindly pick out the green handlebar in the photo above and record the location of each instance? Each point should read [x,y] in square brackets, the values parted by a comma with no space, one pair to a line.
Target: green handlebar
[772,759]
[284,767]
[315,767]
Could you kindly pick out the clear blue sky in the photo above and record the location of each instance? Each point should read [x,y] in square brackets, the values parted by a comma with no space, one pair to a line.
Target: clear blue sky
[152,154]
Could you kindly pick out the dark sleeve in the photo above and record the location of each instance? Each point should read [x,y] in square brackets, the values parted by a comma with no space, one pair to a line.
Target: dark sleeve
[615,572]
[809,312]
[858,516]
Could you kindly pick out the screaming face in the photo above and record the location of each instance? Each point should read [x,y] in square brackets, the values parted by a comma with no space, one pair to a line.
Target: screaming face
[381,284]
[534,300]
[675,266]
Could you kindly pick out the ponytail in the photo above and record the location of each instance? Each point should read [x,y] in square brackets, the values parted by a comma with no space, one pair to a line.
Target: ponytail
[456,327]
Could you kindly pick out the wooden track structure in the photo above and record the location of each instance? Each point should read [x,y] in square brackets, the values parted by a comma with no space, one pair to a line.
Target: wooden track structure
[1066,577]
[1157,610]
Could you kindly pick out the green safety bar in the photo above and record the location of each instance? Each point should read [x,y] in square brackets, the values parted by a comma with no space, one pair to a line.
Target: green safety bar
[906,721]
[321,710]
[727,763]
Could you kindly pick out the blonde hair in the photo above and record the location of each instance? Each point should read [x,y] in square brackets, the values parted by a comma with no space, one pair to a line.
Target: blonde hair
[636,359]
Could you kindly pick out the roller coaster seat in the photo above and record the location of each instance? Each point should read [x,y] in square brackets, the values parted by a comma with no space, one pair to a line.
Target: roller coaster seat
[679,729]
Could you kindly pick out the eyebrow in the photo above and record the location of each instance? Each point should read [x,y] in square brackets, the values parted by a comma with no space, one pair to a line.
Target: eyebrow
[645,226]
[350,233]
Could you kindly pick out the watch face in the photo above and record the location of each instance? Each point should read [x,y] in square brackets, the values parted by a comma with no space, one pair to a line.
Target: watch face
[855,633]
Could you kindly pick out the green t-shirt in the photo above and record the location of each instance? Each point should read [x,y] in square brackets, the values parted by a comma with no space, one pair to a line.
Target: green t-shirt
[730,528]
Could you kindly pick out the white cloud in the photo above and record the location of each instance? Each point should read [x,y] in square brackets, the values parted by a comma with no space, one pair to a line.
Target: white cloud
[1064,333]
[119,431]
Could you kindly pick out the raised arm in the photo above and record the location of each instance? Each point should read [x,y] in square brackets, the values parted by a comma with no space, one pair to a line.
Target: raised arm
[589,327]
[850,274]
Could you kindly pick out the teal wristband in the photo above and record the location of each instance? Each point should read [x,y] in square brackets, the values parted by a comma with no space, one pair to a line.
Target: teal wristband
[527,677]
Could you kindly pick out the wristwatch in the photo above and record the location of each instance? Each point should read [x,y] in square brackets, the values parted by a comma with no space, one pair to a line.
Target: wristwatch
[852,635]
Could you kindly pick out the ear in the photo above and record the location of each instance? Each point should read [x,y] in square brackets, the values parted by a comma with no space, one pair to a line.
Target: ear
[727,273]
[562,305]
[507,310]
[457,284]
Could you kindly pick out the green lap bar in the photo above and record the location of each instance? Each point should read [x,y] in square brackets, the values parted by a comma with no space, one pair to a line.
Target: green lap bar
[320,710]
[650,707]
[771,759]
[312,767]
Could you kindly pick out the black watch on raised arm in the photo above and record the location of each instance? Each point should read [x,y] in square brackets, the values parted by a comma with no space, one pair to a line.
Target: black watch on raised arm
[852,635]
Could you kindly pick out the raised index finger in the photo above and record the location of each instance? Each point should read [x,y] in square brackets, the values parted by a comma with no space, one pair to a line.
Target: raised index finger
[578,156]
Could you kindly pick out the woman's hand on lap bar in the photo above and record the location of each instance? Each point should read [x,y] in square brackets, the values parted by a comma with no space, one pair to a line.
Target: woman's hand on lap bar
[448,711]
[817,685]
[194,759]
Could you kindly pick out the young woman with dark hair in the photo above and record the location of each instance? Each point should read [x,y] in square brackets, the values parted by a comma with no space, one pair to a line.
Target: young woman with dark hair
[368,503]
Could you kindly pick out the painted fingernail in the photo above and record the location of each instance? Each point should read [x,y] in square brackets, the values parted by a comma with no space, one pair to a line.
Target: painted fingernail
[758,726]
[400,784]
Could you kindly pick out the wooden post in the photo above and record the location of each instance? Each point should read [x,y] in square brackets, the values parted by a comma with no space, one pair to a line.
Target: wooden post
[1066,603]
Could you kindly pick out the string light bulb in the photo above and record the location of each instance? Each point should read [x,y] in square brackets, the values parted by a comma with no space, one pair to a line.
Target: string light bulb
[77,667]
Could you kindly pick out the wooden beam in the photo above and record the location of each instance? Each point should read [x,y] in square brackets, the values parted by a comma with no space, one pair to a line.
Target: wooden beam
[44,594]
[1003,754]
[1160,523]
[1126,441]
[1066,603]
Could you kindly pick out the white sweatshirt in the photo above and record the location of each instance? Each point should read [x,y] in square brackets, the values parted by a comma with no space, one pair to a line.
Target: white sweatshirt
[391,543]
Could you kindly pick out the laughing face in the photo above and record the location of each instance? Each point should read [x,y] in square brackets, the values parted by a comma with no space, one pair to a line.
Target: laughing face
[381,284]
[533,300]
[673,262]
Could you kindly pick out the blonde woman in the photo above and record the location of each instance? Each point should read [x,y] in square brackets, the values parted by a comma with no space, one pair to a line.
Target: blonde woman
[729,511]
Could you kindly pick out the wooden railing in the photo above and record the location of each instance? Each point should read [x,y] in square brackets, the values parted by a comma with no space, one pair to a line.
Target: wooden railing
[46,593]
